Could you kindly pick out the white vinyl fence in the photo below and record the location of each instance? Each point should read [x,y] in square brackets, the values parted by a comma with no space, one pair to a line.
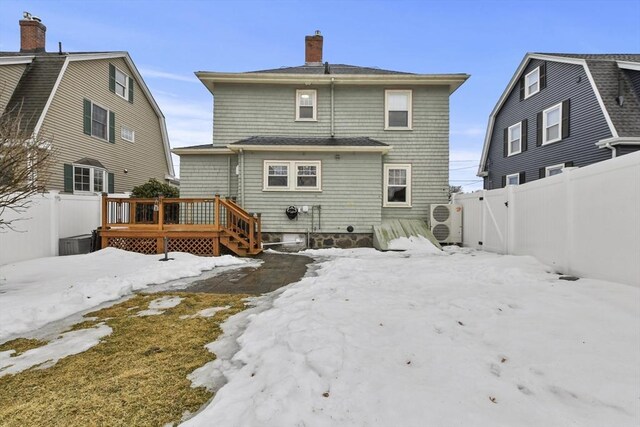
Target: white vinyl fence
[50,217]
[583,222]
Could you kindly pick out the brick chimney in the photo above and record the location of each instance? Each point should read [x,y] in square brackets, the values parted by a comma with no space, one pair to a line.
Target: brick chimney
[32,34]
[313,49]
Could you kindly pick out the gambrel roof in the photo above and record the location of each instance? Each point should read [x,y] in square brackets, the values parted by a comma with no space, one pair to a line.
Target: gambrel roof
[604,75]
[37,87]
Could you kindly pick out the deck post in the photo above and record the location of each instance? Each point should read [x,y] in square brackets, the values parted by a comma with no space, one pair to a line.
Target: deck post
[252,231]
[160,213]
[103,239]
[259,237]
[216,220]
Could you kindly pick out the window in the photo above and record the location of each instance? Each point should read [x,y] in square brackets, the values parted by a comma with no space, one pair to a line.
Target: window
[127,134]
[532,83]
[98,121]
[515,139]
[554,170]
[88,179]
[306,105]
[397,186]
[551,124]
[513,179]
[122,84]
[397,109]
[291,175]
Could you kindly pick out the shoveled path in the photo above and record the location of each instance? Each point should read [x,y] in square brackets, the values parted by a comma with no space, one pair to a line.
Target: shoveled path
[276,270]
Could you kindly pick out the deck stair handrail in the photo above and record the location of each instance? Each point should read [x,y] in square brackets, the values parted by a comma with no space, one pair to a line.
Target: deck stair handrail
[235,228]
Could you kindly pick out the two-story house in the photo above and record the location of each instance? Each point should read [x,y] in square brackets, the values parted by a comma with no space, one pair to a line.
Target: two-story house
[562,110]
[107,132]
[325,151]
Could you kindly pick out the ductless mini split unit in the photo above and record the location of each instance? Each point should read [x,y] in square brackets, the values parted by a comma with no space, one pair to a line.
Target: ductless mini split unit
[446,223]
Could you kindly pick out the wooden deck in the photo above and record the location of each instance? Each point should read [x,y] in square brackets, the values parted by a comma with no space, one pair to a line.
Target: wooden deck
[197,226]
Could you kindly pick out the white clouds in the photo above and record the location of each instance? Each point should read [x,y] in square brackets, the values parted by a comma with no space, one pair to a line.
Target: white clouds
[150,73]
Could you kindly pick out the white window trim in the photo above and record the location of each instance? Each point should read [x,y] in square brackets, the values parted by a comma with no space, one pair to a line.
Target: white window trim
[527,94]
[544,124]
[314,94]
[108,113]
[550,168]
[133,134]
[509,139]
[127,79]
[92,171]
[292,175]
[516,175]
[387,92]
[387,204]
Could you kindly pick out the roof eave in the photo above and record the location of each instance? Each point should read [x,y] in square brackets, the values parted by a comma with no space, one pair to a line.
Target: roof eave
[454,81]
[182,151]
[16,60]
[311,148]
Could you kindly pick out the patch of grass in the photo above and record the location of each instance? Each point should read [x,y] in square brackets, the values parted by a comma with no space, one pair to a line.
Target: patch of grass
[20,345]
[135,376]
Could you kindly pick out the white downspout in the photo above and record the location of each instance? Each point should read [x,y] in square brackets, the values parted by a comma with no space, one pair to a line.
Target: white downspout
[613,149]
[332,113]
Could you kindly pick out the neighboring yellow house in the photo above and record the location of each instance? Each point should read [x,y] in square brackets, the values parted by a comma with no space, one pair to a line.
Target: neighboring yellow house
[108,133]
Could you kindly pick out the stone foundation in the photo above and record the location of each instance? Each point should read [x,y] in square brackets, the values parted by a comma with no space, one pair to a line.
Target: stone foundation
[317,241]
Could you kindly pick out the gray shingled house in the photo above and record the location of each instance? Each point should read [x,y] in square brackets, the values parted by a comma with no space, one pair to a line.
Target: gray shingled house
[325,151]
[562,110]
[107,131]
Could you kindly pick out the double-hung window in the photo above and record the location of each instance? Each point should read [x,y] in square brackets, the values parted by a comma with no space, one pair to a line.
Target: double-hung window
[99,122]
[306,105]
[88,179]
[552,124]
[127,134]
[515,139]
[122,84]
[397,109]
[532,83]
[292,175]
[397,185]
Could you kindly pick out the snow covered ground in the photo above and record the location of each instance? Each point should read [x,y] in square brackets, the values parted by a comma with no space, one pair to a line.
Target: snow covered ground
[34,293]
[417,339]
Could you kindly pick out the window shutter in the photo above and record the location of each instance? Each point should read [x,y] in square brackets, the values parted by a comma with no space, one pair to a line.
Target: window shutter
[542,172]
[543,75]
[130,90]
[87,117]
[566,106]
[112,127]
[505,143]
[522,178]
[524,131]
[112,78]
[539,129]
[112,182]
[521,88]
[68,178]
[568,164]
[504,181]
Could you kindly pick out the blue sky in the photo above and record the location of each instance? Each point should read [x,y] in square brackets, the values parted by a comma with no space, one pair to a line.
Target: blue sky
[169,40]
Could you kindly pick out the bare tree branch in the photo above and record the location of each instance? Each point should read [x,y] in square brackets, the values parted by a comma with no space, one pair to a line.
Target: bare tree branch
[26,161]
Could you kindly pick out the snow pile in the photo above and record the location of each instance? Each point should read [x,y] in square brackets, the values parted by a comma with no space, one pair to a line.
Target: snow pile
[36,292]
[419,244]
[207,312]
[67,344]
[382,339]
[159,305]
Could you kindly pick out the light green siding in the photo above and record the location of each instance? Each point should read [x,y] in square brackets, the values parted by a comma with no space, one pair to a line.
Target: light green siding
[9,77]
[206,175]
[242,111]
[351,193]
[143,159]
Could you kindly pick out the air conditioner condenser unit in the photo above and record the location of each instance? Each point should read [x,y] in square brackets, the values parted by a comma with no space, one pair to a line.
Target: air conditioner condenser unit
[446,223]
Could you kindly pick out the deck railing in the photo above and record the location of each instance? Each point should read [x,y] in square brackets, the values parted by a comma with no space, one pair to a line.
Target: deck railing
[164,215]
